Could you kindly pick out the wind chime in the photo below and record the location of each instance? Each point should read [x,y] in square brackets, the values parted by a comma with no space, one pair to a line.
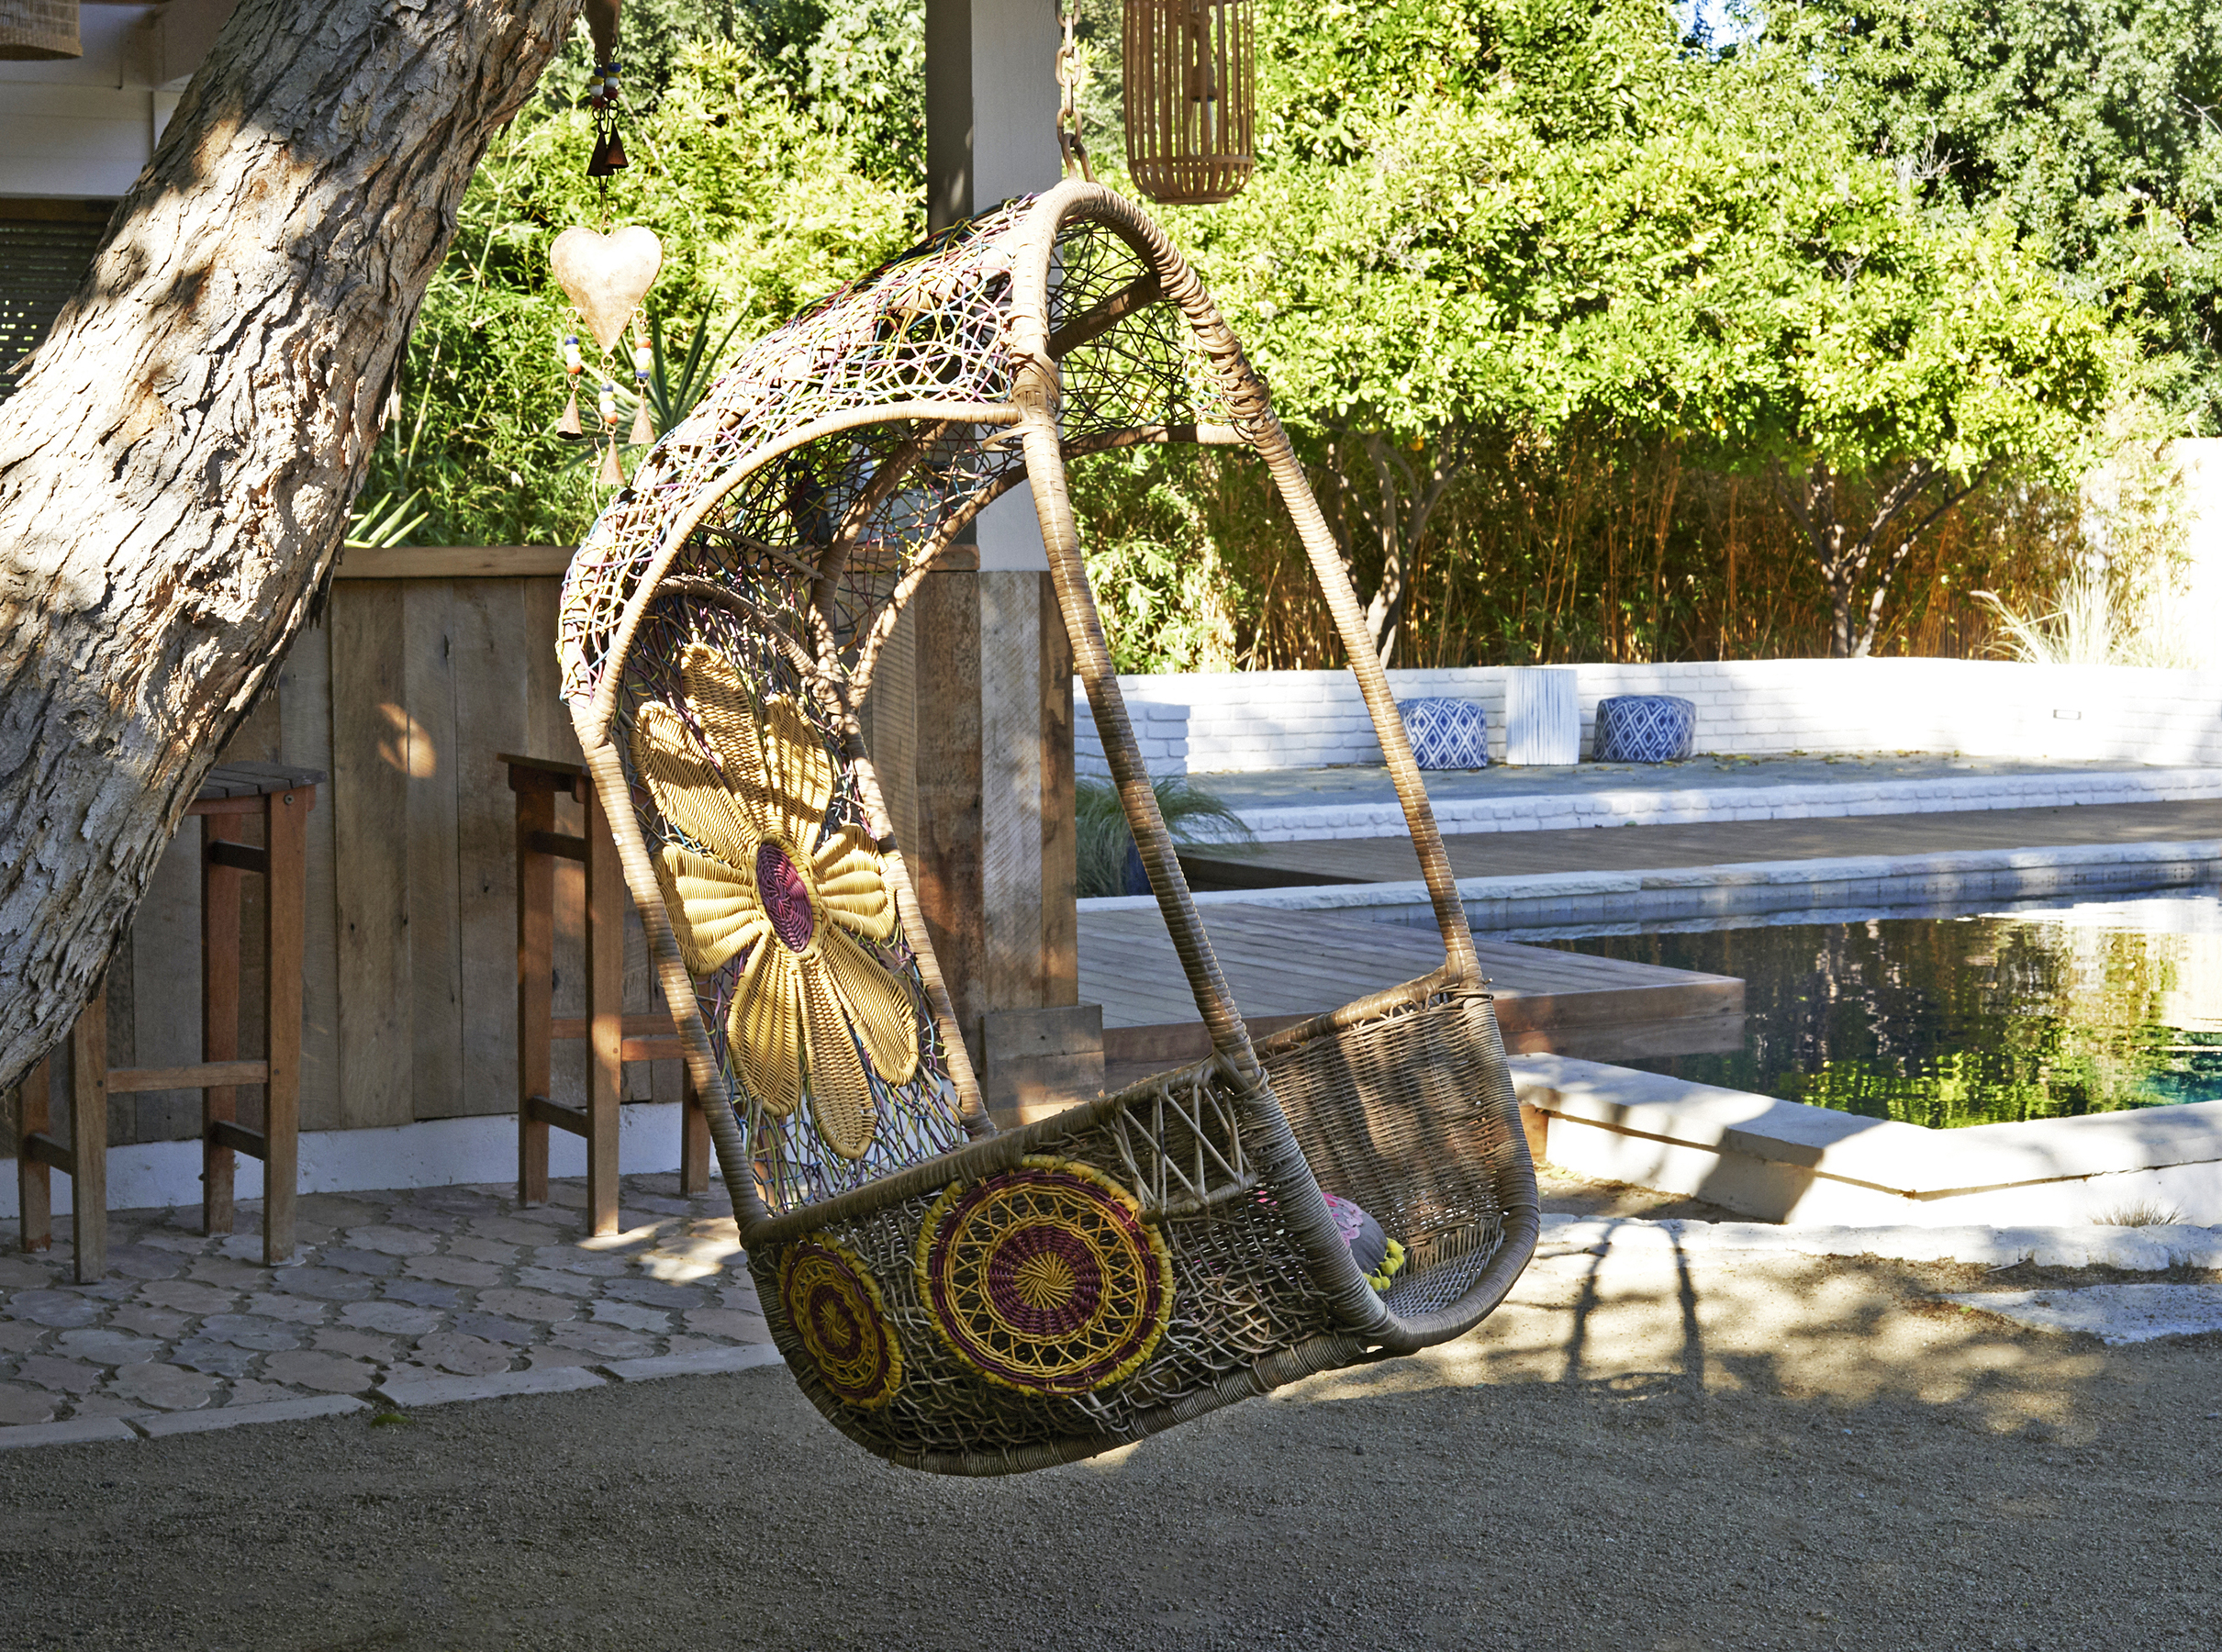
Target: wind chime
[1190,98]
[605,273]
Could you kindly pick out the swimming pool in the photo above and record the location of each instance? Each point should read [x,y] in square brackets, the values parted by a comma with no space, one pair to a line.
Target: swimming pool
[1984,1017]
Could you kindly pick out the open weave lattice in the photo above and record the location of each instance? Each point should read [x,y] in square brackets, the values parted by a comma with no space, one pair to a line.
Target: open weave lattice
[953,1298]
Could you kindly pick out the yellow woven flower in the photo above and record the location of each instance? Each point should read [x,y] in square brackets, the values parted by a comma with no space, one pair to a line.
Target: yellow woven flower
[770,888]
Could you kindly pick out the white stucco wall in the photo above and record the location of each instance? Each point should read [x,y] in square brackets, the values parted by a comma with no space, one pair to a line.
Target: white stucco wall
[1265,719]
[82,127]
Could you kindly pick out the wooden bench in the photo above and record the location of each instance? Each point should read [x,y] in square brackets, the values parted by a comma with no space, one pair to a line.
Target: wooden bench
[612,1037]
[230,796]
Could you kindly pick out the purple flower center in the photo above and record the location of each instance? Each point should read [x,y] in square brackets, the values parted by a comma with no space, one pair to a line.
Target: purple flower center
[786,898]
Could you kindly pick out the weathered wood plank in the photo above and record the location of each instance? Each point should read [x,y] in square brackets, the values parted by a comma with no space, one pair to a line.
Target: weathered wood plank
[549,733]
[89,1140]
[164,958]
[1060,934]
[287,833]
[304,708]
[945,850]
[219,1012]
[454,562]
[370,765]
[434,899]
[1009,850]
[1282,966]
[489,629]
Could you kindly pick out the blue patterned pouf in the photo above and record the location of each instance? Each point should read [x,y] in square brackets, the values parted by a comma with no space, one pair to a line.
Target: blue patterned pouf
[1446,734]
[1644,728]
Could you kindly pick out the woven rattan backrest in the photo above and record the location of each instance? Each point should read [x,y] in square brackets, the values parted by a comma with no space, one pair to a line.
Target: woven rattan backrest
[722,624]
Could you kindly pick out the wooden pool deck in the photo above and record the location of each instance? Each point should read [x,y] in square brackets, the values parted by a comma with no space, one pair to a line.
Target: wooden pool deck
[1284,967]
[1709,844]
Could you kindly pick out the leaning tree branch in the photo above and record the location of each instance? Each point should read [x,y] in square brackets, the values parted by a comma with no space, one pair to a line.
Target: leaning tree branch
[178,463]
[1906,546]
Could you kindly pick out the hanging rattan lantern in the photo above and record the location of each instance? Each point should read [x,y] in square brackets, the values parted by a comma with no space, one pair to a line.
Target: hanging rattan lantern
[1191,97]
[38,29]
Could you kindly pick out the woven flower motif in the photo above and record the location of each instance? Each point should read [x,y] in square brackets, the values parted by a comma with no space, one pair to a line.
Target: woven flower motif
[796,906]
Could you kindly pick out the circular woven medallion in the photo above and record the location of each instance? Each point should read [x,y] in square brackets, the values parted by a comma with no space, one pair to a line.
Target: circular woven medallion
[1046,1278]
[834,1305]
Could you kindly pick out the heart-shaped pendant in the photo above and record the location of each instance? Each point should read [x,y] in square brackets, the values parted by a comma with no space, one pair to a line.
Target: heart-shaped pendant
[607,275]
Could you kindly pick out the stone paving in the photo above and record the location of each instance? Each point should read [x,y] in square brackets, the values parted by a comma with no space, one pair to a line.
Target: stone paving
[392,1286]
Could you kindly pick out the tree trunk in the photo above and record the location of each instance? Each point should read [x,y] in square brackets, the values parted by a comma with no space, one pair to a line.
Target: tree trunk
[177,465]
[1402,503]
[1844,559]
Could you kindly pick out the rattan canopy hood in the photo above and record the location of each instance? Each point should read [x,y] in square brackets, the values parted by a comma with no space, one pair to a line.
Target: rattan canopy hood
[953,1298]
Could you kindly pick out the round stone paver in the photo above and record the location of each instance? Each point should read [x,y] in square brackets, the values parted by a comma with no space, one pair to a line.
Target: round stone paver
[606,1341]
[393,1241]
[145,1262]
[527,1304]
[107,1347]
[250,1331]
[375,1264]
[218,1358]
[62,1376]
[149,1322]
[357,1345]
[729,1323]
[18,1274]
[548,1279]
[228,1275]
[424,1293]
[656,1293]
[465,1356]
[455,1270]
[188,1297]
[398,1317]
[632,1316]
[164,1387]
[21,1406]
[571,1260]
[327,1284]
[327,1373]
[499,1252]
[294,1310]
[494,1328]
[249,1392]
[63,1310]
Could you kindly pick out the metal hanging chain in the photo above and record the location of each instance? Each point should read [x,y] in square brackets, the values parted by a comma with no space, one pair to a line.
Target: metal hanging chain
[1070,143]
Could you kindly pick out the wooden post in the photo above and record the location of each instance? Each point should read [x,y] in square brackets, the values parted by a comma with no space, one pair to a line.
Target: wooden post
[605,1011]
[34,1177]
[991,840]
[219,1014]
[535,975]
[89,1139]
[694,1137]
[285,843]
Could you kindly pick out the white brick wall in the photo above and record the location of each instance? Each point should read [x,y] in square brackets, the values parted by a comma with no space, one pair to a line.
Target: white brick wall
[1261,720]
[1161,729]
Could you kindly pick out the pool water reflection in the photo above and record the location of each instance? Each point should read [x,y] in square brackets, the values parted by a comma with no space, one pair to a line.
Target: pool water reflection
[2035,1013]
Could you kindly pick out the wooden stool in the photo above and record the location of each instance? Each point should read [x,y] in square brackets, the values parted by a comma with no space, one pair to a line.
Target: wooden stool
[283,797]
[612,1037]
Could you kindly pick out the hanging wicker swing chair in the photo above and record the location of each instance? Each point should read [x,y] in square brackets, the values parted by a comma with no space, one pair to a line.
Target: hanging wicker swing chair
[955,1299]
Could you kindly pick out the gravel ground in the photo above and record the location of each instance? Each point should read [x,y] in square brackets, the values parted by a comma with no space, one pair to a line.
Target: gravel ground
[1789,1452]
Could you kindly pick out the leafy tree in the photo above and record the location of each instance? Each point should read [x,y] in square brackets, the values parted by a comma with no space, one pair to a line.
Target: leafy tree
[760,206]
[1476,217]
[2091,125]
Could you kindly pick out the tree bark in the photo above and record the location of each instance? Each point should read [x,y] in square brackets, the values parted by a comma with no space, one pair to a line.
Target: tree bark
[1397,515]
[1845,558]
[178,463]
